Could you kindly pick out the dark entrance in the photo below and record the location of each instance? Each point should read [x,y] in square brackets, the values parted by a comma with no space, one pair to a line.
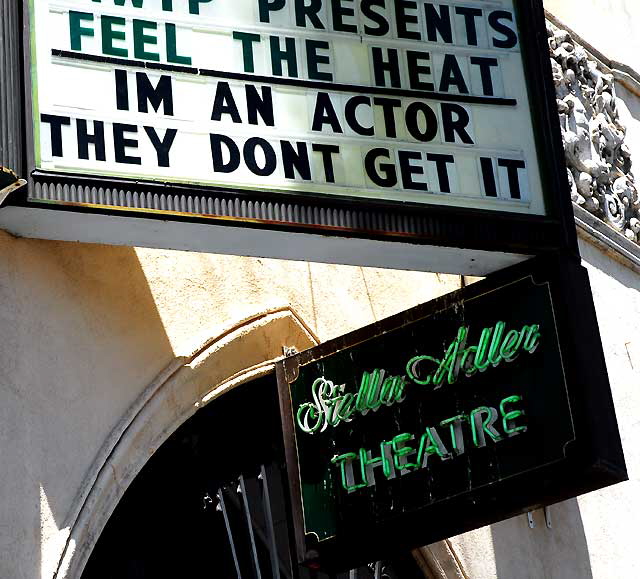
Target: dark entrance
[210,503]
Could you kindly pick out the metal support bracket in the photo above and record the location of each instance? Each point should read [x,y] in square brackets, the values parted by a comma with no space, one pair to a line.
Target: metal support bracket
[547,517]
[532,523]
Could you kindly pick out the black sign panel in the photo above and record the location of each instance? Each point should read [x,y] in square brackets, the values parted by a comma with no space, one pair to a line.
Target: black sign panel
[469,409]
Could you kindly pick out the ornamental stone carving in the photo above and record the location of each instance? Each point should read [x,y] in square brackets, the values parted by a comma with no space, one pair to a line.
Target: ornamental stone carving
[598,161]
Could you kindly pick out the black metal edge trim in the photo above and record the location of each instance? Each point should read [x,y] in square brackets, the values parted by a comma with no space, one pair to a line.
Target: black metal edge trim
[29,147]
[546,122]
[293,489]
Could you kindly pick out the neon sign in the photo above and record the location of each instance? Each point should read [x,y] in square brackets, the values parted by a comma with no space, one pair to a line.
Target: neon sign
[466,410]
[332,404]
[494,347]
[394,454]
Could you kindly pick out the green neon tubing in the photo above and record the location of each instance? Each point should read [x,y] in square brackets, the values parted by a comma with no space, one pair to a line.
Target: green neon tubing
[450,422]
[410,369]
[343,458]
[533,339]
[365,462]
[382,459]
[347,407]
[386,464]
[425,450]
[486,423]
[311,409]
[361,398]
[510,416]
[399,451]
[375,386]
[333,418]
[482,351]
[494,350]
[509,348]
[401,384]
[332,405]
[469,368]
[448,366]
[437,443]
[387,391]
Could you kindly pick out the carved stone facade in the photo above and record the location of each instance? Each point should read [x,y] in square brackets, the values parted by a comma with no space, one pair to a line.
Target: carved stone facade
[598,161]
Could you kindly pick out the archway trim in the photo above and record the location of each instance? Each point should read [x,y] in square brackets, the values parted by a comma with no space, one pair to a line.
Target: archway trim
[244,352]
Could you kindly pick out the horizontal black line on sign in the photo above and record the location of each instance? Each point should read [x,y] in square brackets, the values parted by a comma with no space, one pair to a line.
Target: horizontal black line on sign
[302,83]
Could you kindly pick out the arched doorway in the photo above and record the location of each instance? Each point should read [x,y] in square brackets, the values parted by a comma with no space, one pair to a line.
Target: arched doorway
[209,502]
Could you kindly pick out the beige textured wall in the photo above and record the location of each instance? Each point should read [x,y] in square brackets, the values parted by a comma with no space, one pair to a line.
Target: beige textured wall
[86,328]
[611,26]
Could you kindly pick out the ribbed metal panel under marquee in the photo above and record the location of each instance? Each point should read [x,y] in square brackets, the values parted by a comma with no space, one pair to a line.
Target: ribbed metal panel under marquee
[213,205]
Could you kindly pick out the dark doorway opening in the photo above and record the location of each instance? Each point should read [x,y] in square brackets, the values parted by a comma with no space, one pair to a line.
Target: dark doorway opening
[210,503]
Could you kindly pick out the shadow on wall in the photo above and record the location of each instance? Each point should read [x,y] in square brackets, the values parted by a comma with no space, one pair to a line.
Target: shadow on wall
[81,333]
[560,552]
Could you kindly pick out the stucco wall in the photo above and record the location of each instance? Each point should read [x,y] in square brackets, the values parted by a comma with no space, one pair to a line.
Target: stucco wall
[611,26]
[87,328]
[629,109]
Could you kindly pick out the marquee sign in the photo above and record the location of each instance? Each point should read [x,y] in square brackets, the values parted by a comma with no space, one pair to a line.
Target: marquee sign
[422,102]
[461,412]
[386,119]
